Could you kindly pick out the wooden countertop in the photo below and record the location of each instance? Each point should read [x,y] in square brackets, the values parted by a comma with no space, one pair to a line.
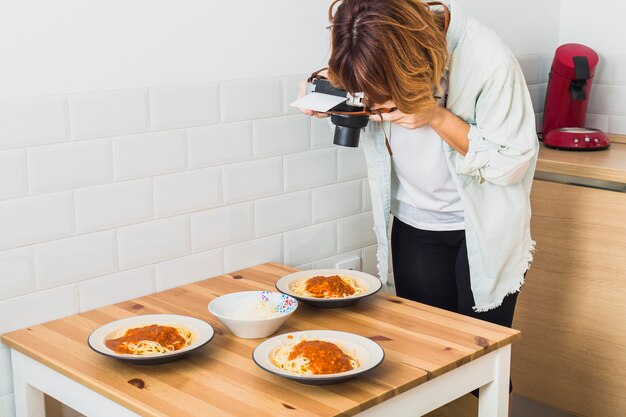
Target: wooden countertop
[605,165]
[220,379]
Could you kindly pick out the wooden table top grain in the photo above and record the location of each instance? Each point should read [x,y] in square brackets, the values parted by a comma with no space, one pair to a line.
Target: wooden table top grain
[220,379]
[603,165]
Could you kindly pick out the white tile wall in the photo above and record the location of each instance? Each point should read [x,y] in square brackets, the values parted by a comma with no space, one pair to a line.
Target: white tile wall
[539,121]
[310,169]
[17,273]
[178,106]
[13,175]
[280,135]
[598,121]
[223,226]
[145,155]
[369,260]
[355,232]
[604,69]
[220,144]
[538,96]
[251,180]
[618,100]
[33,121]
[617,124]
[186,192]
[531,67]
[153,242]
[367,197]
[105,290]
[75,259]
[305,266]
[285,212]
[321,133]
[619,70]
[331,262]
[69,165]
[351,163]
[188,269]
[109,113]
[251,99]
[337,200]
[244,255]
[545,65]
[311,243]
[36,219]
[113,205]
[601,100]
[290,92]
[38,307]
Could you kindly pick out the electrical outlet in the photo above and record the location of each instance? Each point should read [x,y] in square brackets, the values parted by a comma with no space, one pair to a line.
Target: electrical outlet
[353,263]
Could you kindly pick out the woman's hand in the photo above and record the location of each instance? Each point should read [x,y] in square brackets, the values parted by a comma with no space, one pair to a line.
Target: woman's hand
[302,92]
[408,121]
[448,126]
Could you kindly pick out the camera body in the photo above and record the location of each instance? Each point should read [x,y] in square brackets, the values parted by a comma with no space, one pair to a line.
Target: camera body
[349,117]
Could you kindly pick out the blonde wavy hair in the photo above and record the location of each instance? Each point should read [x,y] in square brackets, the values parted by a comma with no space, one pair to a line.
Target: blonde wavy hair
[388,49]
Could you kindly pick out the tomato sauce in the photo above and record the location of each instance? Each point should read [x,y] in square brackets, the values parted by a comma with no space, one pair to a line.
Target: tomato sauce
[324,357]
[166,336]
[332,286]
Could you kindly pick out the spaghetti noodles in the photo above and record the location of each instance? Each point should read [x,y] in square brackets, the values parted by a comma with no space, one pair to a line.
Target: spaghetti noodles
[259,310]
[149,340]
[312,356]
[334,286]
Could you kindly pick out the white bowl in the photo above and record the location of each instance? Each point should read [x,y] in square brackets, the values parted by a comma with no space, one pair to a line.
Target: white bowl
[237,312]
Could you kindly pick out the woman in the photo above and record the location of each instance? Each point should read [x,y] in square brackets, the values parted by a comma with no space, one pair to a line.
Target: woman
[454,162]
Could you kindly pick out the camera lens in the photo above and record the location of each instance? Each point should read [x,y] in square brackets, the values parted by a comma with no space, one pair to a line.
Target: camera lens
[348,129]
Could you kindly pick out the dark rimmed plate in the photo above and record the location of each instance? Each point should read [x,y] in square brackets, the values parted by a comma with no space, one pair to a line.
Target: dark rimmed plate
[202,334]
[369,353]
[370,283]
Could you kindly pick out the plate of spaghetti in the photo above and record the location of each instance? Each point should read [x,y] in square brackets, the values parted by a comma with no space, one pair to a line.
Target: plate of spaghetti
[318,357]
[150,339]
[329,288]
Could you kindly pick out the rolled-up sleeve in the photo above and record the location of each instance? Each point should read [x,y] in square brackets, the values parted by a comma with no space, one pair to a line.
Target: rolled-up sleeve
[502,137]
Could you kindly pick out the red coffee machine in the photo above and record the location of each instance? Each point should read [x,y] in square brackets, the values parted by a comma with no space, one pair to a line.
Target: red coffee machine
[571,75]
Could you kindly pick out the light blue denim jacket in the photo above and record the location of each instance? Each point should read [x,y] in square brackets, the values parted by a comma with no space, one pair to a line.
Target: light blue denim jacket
[486,89]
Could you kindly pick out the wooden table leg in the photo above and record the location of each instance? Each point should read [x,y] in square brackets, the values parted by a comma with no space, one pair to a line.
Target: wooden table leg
[494,396]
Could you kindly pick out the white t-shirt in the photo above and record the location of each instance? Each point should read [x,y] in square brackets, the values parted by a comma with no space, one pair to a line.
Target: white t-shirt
[423,192]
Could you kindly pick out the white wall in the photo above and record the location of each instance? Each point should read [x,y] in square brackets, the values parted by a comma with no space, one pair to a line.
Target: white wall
[68,46]
[598,24]
[528,27]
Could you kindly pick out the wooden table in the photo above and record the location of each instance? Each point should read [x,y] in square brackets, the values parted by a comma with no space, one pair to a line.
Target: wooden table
[432,358]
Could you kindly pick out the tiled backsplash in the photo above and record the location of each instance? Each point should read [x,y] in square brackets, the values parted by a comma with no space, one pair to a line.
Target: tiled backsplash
[112,195]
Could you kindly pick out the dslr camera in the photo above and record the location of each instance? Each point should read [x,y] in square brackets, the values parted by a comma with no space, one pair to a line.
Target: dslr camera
[349,117]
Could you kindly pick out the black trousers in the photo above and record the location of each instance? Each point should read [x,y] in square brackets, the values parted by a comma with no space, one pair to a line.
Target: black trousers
[431,267]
